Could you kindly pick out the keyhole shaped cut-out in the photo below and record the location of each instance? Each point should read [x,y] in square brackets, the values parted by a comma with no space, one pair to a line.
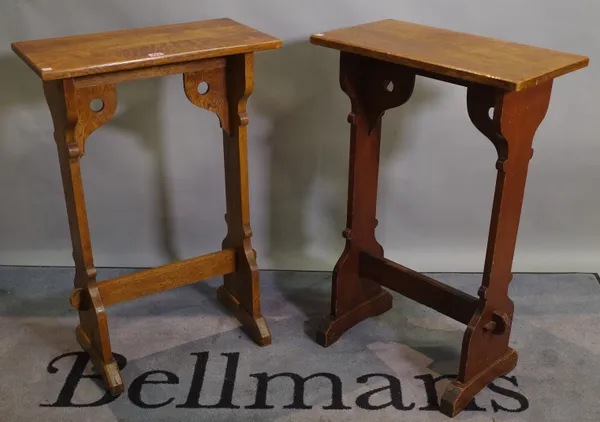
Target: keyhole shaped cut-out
[96,105]
[389,86]
[203,88]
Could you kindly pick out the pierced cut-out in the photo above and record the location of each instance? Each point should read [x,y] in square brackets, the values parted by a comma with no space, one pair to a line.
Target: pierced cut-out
[203,88]
[374,86]
[491,113]
[96,105]
[207,89]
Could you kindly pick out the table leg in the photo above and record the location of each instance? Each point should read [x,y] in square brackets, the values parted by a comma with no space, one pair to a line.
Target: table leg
[485,354]
[373,87]
[74,121]
[241,290]
[230,81]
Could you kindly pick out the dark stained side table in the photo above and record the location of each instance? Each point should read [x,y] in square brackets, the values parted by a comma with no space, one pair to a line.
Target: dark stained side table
[378,65]
[216,60]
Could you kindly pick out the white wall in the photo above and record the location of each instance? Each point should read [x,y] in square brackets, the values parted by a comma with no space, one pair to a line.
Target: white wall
[154,175]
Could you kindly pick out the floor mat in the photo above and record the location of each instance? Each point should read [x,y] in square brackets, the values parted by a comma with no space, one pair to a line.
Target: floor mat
[184,357]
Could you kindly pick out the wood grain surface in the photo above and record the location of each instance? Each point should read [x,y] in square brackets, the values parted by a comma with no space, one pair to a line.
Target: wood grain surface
[79,55]
[378,65]
[80,69]
[506,65]
[167,277]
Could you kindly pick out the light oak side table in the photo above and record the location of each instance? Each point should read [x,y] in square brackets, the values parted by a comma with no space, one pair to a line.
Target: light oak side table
[79,69]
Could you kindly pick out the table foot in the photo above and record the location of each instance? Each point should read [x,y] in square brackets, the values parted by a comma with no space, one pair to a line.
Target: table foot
[255,326]
[459,394]
[332,327]
[108,370]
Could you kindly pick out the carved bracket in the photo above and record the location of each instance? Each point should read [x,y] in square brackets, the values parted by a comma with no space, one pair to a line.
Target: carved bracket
[207,88]
[480,100]
[78,111]
[374,86]
[516,116]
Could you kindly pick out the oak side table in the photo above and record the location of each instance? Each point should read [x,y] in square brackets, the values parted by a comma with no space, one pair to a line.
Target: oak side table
[378,65]
[79,69]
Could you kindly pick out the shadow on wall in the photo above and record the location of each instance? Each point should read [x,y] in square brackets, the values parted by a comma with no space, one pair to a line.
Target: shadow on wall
[19,160]
[37,162]
[144,120]
[19,84]
[309,150]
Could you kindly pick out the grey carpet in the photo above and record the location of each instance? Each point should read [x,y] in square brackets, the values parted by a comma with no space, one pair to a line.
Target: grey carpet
[184,334]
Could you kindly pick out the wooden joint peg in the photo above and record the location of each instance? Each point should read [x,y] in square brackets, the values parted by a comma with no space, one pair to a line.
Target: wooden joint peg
[75,298]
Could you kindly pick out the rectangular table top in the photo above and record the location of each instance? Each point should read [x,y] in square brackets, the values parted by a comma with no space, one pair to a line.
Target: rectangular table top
[506,65]
[78,55]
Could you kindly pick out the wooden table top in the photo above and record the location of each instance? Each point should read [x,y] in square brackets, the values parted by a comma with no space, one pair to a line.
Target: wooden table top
[66,57]
[488,61]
